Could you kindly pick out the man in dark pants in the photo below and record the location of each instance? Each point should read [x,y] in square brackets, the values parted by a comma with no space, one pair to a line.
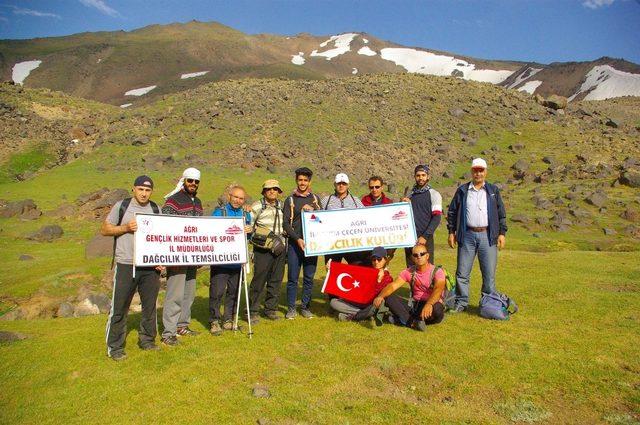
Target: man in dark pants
[146,280]
[426,204]
[181,280]
[477,222]
[268,268]
[301,199]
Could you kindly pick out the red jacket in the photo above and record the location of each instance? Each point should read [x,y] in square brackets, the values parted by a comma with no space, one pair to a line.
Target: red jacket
[368,201]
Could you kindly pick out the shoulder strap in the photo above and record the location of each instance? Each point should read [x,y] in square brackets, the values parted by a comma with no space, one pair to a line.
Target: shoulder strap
[154,207]
[263,205]
[328,200]
[316,201]
[355,205]
[412,282]
[291,204]
[123,208]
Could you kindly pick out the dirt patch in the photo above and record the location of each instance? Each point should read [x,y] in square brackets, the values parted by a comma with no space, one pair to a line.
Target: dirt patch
[53,112]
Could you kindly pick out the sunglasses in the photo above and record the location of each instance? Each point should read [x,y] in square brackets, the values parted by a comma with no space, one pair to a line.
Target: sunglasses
[376,259]
[273,188]
[375,187]
[419,254]
[193,181]
[342,183]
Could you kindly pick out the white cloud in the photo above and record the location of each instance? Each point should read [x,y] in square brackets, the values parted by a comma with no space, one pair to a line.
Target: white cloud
[31,12]
[594,4]
[101,6]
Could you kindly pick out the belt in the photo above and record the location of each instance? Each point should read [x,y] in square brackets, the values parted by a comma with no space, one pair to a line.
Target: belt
[477,229]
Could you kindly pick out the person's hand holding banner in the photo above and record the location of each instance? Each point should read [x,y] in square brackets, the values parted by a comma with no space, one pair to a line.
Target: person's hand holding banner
[351,283]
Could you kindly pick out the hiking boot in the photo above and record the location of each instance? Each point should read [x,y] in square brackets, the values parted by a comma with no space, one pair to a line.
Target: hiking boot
[344,317]
[227,325]
[306,313]
[118,356]
[215,329]
[392,319]
[170,340]
[291,314]
[187,331]
[272,315]
[420,325]
[150,347]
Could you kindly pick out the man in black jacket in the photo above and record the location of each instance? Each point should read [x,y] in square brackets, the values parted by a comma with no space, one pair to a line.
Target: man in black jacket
[477,222]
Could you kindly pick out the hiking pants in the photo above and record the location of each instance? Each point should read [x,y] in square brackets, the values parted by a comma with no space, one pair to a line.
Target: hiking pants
[475,243]
[181,291]
[358,258]
[268,270]
[147,283]
[407,316]
[295,260]
[223,282]
[356,311]
[430,249]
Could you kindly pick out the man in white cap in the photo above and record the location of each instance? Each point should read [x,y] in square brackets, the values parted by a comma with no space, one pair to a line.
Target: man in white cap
[340,199]
[477,223]
[181,280]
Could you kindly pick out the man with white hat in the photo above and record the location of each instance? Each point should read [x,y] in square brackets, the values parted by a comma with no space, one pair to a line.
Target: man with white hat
[477,222]
[181,280]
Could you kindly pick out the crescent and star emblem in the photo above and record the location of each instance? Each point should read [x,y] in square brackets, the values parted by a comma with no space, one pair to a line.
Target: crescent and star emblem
[341,276]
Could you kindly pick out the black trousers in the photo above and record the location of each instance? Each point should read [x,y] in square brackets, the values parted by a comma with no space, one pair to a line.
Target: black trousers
[358,258]
[268,270]
[430,249]
[407,316]
[223,283]
[147,283]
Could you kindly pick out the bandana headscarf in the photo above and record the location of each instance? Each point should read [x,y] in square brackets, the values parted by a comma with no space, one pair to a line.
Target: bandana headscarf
[189,173]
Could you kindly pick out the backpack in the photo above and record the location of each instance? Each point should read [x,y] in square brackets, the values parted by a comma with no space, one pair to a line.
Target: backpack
[448,295]
[268,239]
[497,306]
[123,208]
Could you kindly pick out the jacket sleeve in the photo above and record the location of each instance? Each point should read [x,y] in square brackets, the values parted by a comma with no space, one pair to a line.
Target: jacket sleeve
[433,225]
[169,207]
[217,212]
[452,212]
[436,213]
[502,213]
[286,219]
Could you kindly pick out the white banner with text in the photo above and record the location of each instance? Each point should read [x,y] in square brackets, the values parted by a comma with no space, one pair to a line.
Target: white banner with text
[169,240]
[360,229]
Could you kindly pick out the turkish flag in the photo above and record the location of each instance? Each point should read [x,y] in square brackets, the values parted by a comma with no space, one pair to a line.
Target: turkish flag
[351,283]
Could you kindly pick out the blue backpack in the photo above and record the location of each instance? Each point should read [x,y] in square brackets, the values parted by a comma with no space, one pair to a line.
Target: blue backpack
[497,306]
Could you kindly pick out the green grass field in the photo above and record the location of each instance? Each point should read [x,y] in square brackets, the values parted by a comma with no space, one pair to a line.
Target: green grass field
[569,356]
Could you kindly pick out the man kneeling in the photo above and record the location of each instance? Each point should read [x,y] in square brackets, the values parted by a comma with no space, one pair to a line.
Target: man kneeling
[427,290]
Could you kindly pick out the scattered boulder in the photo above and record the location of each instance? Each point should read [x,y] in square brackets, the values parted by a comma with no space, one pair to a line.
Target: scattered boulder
[15,314]
[456,112]
[598,199]
[549,160]
[18,208]
[99,246]
[65,310]
[520,218]
[46,233]
[32,214]
[140,141]
[101,301]
[555,102]
[520,165]
[631,215]
[25,257]
[608,231]
[85,308]
[630,178]
[261,391]
[633,231]
[611,123]
[6,336]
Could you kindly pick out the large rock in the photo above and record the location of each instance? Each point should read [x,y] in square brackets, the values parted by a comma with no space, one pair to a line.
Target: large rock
[99,246]
[101,301]
[555,102]
[631,215]
[520,165]
[65,309]
[630,178]
[598,199]
[46,233]
[12,209]
[85,308]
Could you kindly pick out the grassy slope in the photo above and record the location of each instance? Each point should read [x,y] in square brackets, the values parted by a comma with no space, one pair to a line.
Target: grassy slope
[567,357]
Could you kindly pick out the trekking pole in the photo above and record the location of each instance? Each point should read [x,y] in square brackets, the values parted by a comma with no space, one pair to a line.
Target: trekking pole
[246,297]
[235,321]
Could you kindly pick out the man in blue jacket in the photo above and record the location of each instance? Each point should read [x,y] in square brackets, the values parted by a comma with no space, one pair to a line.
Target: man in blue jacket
[477,222]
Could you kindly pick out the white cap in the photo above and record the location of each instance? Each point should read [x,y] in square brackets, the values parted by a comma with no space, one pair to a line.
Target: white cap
[191,173]
[341,178]
[479,163]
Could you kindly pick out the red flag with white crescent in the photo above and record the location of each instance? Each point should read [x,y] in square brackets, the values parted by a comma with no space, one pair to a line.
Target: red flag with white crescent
[351,283]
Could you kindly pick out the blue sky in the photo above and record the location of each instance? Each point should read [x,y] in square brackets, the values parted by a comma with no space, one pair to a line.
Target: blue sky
[528,30]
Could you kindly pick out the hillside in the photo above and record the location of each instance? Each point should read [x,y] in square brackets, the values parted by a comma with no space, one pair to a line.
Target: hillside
[137,67]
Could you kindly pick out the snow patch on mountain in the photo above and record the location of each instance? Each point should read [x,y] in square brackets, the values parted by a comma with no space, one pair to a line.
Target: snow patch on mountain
[354,71]
[22,70]
[140,92]
[298,59]
[606,82]
[530,86]
[525,75]
[365,41]
[126,105]
[366,51]
[193,75]
[342,45]
[421,62]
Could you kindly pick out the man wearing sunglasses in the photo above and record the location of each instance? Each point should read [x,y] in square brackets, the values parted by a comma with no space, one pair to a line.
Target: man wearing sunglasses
[426,204]
[376,194]
[181,280]
[477,223]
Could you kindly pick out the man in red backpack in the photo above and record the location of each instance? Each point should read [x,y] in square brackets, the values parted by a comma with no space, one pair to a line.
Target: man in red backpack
[121,224]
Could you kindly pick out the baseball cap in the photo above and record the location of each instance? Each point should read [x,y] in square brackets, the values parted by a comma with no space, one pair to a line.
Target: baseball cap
[143,181]
[479,163]
[271,184]
[421,167]
[379,252]
[341,178]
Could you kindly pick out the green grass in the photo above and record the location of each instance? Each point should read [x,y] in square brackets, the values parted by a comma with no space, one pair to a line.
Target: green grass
[568,356]
[24,162]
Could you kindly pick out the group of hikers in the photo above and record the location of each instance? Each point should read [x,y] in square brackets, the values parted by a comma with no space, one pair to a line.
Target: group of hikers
[476,222]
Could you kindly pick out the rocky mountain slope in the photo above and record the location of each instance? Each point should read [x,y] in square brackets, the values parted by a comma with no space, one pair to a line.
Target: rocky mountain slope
[132,68]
